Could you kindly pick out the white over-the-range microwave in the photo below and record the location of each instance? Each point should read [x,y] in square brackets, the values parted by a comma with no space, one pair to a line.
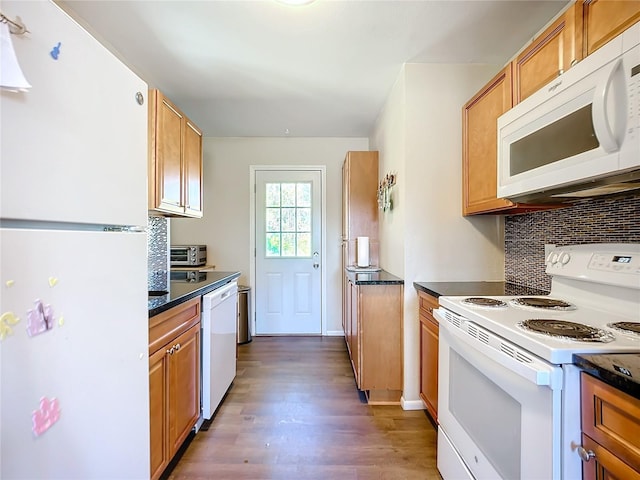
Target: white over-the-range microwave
[579,136]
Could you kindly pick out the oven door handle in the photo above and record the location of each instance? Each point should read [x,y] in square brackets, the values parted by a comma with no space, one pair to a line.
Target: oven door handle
[500,351]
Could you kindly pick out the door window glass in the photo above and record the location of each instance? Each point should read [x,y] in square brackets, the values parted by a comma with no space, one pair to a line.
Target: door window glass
[288,220]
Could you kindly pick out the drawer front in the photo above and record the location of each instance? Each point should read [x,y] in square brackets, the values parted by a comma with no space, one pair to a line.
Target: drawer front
[168,325]
[605,464]
[427,305]
[612,419]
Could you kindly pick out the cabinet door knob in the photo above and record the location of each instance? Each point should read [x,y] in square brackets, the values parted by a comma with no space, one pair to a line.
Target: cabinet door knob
[177,347]
[170,351]
[585,454]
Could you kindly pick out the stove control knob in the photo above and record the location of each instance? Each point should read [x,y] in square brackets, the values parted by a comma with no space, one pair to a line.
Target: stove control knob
[552,258]
[564,258]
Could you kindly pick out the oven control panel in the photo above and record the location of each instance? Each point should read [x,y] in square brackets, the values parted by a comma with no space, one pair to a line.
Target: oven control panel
[623,263]
[612,264]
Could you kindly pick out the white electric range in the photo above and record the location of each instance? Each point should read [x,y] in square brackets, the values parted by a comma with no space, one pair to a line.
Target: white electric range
[509,393]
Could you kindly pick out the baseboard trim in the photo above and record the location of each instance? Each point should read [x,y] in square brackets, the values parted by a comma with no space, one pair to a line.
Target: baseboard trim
[411,404]
[335,333]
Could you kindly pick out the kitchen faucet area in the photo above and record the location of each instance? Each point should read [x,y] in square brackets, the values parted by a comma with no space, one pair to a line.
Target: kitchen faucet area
[320,239]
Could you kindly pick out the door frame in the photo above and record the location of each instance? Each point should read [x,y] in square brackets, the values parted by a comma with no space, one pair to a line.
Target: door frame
[323,234]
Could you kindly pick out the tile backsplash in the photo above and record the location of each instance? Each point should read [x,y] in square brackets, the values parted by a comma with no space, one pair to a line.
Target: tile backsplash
[606,220]
[158,248]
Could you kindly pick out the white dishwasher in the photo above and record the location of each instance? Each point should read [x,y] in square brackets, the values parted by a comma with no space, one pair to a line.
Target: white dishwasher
[219,324]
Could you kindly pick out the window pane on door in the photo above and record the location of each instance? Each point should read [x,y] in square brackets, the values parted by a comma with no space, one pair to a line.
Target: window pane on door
[288,219]
[304,195]
[288,194]
[273,219]
[273,244]
[273,195]
[303,243]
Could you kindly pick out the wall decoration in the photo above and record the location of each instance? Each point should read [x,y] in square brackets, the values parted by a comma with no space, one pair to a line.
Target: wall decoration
[385,202]
[45,416]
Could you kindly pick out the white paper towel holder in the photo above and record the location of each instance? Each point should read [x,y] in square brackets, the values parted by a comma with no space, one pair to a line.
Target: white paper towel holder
[362,252]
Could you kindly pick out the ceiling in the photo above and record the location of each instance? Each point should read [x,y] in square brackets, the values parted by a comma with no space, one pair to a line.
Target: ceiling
[262,68]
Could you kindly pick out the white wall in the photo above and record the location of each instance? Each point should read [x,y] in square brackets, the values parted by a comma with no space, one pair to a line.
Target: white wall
[425,237]
[389,138]
[225,226]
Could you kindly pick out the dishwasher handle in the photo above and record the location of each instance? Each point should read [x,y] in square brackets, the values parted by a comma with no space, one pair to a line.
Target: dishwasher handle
[219,295]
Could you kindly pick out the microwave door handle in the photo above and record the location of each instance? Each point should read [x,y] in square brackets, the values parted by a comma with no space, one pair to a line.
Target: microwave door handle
[601,121]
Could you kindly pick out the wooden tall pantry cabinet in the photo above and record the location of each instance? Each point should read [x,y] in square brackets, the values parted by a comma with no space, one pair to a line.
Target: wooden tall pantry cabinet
[359,204]
[359,212]
[371,302]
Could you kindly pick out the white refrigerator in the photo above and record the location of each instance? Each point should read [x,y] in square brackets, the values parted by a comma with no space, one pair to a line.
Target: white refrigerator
[74,389]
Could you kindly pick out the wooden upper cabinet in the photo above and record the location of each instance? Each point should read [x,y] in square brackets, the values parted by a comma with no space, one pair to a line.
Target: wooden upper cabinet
[167,133]
[552,53]
[605,20]
[359,203]
[175,160]
[584,26]
[193,170]
[479,145]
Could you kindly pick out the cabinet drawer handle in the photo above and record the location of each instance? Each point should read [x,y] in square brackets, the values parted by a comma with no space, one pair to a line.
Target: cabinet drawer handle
[430,310]
[585,454]
[170,351]
[177,347]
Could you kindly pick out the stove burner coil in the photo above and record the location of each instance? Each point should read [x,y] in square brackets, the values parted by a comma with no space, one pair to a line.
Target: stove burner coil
[566,330]
[627,327]
[484,302]
[544,303]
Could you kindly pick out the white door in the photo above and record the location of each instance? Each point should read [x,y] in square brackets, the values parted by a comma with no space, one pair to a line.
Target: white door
[288,252]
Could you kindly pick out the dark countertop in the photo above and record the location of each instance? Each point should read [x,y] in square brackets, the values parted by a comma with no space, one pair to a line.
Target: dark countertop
[603,366]
[480,289]
[374,278]
[180,292]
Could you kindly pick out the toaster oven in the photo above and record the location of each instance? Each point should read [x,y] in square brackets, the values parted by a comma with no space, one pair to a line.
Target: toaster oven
[188,255]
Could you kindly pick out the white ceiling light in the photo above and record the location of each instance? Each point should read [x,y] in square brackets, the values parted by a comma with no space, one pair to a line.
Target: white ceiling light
[295,3]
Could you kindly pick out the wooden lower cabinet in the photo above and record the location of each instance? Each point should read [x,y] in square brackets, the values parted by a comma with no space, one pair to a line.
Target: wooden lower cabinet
[174,381]
[158,411]
[429,333]
[374,340]
[610,432]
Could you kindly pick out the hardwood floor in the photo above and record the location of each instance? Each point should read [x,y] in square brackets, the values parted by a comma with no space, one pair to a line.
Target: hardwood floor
[293,412]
